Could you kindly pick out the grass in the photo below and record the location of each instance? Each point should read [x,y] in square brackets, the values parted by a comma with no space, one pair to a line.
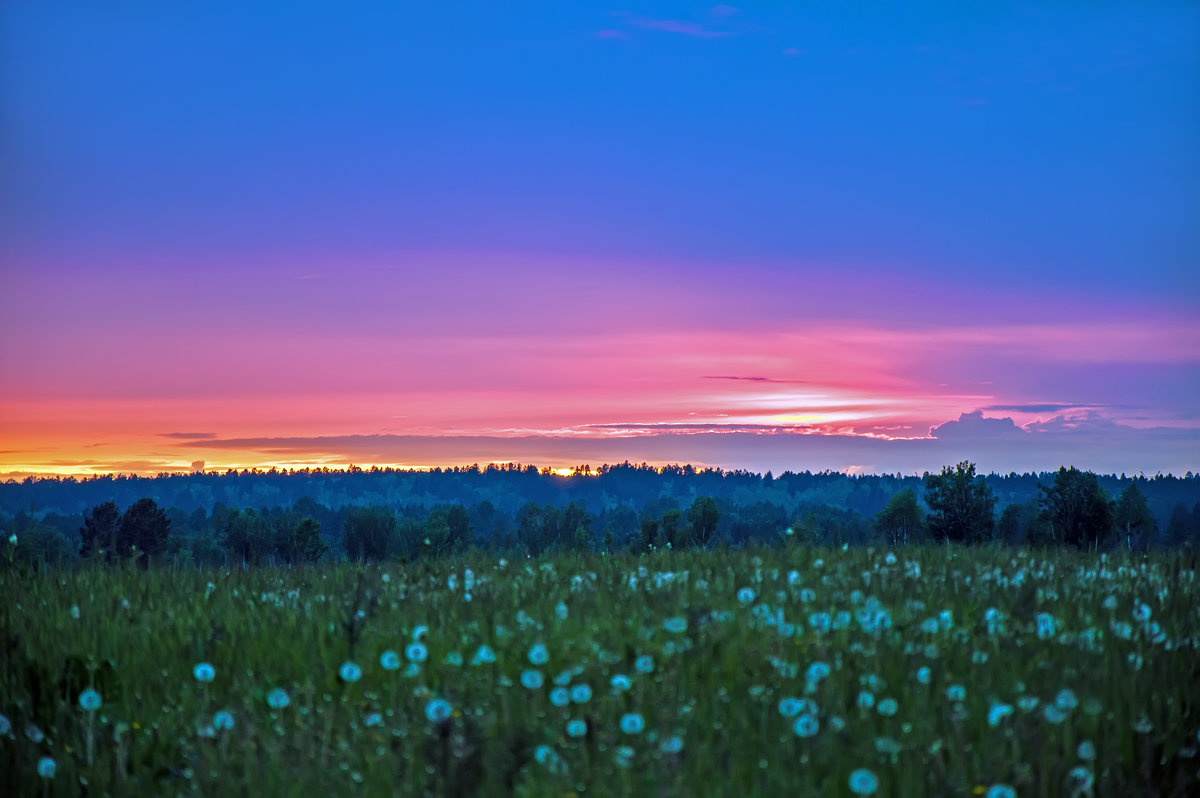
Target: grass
[1084,680]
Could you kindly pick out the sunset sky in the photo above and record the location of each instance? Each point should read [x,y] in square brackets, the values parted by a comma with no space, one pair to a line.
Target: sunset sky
[859,236]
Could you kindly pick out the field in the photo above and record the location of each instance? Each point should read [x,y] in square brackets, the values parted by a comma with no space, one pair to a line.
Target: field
[927,671]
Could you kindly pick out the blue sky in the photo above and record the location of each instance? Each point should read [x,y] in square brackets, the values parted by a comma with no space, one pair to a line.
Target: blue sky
[888,165]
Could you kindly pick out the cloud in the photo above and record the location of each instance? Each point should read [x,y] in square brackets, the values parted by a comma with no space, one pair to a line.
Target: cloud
[995,444]
[677,26]
[609,33]
[1040,407]
[757,379]
[722,10]
[973,426]
[184,436]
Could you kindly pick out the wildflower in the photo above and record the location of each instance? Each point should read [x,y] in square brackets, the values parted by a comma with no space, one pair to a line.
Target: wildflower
[576,728]
[420,633]
[745,595]
[808,596]
[531,679]
[1000,791]
[1053,714]
[1141,612]
[946,619]
[1066,700]
[994,620]
[454,659]
[483,655]
[887,707]
[416,652]
[34,734]
[5,726]
[644,664]
[538,655]
[89,699]
[1046,626]
[837,723]
[620,683]
[438,711]
[389,661]
[1082,779]
[790,707]
[998,713]
[559,697]
[623,756]
[863,782]
[866,700]
[222,721]
[46,767]
[204,672]
[581,694]
[820,622]
[1086,751]
[929,625]
[675,625]
[349,672]
[924,675]
[561,611]
[632,723]
[671,745]
[816,672]
[956,692]
[1027,703]
[278,698]
[805,725]
[372,720]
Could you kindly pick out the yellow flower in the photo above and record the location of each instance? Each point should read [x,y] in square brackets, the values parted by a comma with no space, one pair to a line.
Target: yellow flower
[979,789]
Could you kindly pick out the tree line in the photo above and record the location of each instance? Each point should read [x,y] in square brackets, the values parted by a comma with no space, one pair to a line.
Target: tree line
[957,505]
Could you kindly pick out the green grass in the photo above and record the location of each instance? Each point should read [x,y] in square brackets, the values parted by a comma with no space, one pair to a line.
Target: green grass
[715,688]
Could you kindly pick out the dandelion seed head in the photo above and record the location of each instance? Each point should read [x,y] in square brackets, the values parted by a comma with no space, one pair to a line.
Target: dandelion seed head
[632,723]
[538,654]
[89,700]
[805,725]
[416,652]
[863,782]
[671,745]
[438,710]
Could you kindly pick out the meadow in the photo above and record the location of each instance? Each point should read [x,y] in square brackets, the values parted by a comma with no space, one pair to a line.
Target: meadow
[919,671]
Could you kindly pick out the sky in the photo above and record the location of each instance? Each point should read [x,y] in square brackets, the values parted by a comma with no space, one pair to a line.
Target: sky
[859,236]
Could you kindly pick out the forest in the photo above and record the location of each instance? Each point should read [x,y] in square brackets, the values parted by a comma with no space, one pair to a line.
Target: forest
[282,517]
